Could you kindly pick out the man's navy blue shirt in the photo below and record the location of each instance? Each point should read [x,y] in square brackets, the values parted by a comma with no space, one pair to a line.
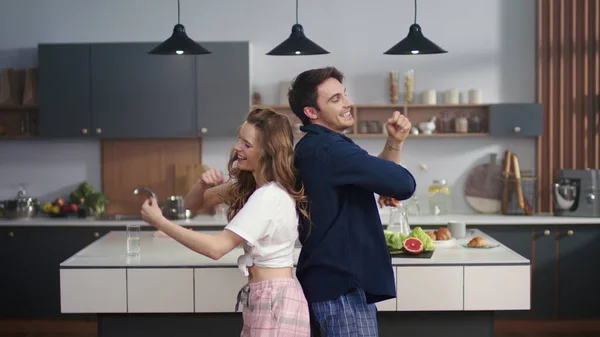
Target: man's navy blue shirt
[345,247]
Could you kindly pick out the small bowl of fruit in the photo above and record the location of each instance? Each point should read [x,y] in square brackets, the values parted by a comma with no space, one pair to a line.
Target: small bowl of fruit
[59,208]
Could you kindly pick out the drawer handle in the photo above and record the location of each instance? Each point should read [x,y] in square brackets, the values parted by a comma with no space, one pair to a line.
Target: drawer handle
[546,233]
[11,234]
[96,234]
[570,232]
[84,131]
[517,129]
[98,131]
[204,130]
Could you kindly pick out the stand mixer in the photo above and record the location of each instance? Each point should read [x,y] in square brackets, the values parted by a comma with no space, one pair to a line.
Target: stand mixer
[577,193]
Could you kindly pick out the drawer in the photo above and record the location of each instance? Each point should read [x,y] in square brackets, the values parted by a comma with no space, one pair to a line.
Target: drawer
[216,289]
[498,287]
[160,290]
[429,288]
[93,291]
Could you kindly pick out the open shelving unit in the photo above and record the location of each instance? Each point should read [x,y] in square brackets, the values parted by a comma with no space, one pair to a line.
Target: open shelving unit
[377,114]
[18,122]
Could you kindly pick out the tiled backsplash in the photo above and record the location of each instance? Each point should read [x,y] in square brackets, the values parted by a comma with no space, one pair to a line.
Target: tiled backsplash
[53,168]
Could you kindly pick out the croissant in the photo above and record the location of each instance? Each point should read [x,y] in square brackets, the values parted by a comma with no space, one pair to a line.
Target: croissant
[432,235]
[477,241]
[443,234]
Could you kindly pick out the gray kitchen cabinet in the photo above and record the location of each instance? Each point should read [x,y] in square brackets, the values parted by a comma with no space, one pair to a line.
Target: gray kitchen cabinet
[578,272]
[64,90]
[223,95]
[516,120]
[135,94]
[30,257]
[543,272]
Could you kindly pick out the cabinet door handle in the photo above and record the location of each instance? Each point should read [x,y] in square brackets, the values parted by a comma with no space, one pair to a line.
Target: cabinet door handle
[517,129]
[98,131]
[203,130]
[96,234]
[546,233]
[84,131]
[11,234]
[570,232]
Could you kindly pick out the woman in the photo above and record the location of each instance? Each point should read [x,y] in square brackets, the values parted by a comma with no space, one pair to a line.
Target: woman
[263,202]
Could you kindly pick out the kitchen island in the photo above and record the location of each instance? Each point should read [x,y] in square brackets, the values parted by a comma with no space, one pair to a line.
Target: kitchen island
[217,222]
[170,289]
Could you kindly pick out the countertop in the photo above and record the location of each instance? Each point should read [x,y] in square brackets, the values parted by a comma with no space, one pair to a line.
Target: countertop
[414,220]
[163,252]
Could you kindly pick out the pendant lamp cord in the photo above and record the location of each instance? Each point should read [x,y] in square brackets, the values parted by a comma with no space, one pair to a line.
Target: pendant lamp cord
[296,11]
[178,12]
[415,11]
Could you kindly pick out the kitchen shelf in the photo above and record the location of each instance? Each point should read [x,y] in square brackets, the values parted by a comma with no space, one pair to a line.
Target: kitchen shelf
[12,119]
[417,113]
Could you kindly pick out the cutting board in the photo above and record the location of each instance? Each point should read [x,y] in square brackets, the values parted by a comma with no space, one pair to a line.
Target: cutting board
[186,176]
[483,189]
[423,255]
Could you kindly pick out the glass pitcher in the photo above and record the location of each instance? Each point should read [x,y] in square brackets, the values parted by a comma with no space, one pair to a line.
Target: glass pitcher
[399,220]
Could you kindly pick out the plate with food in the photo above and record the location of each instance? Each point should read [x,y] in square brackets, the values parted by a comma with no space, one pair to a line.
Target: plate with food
[442,237]
[479,242]
[415,244]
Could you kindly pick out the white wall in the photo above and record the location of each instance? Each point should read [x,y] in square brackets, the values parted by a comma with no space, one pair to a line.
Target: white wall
[491,46]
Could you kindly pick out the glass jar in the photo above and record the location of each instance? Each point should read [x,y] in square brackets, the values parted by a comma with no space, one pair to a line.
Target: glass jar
[399,220]
[439,198]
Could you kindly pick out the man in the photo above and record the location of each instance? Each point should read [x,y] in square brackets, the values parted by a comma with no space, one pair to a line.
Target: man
[344,266]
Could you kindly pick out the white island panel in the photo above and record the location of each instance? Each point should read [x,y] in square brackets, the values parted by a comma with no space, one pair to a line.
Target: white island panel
[160,290]
[93,291]
[388,305]
[498,287]
[216,289]
[429,288]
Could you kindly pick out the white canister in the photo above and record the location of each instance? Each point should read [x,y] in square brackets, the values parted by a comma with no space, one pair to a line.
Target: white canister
[429,97]
[457,229]
[284,87]
[451,96]
[475,96]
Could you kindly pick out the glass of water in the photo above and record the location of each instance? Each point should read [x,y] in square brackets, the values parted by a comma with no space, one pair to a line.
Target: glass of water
[133,240]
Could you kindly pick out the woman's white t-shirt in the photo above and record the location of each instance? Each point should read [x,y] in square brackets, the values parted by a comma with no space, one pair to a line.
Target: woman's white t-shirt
[268,223]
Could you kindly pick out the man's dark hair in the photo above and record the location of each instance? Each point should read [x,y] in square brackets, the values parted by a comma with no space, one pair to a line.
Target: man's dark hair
[303,92]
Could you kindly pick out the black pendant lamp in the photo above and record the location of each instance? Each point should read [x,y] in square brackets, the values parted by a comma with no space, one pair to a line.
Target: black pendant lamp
[415,43]
[297,44]
[179,43]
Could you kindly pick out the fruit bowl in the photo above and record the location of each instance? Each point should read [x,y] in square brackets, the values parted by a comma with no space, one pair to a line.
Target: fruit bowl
[59,208]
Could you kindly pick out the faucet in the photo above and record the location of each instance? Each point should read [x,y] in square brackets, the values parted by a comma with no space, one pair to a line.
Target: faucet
[148,190]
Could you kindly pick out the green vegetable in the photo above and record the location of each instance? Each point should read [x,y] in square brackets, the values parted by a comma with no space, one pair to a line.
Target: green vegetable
[395,241]
[95,201]
[428,244]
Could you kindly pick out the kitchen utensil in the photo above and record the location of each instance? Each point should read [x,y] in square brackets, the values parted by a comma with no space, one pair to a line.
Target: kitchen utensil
[506,175]
[565,193]
[21,207]
[577,193]
[174,208]
[482,189]
[518,187]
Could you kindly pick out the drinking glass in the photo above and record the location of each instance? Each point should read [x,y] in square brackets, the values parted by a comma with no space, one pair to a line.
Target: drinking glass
[133,240]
